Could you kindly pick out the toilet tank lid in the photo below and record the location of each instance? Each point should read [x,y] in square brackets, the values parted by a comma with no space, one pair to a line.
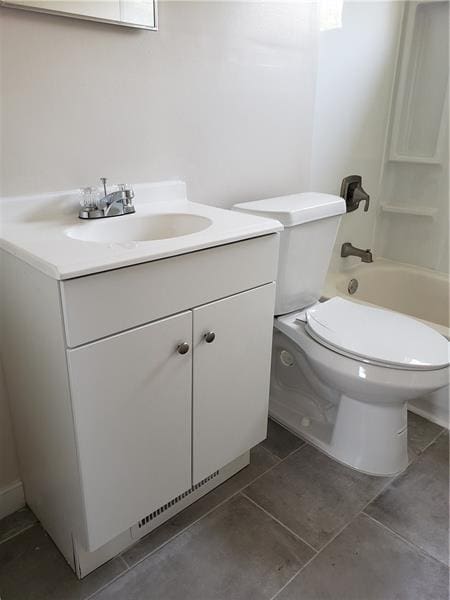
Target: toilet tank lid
[296,208]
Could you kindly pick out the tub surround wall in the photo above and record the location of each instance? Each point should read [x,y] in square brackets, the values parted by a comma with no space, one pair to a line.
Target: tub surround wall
[359,141]
[354,84]
[413,220]
[417,239]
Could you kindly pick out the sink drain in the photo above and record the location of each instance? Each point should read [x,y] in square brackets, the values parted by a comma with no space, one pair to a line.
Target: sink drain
[352,286]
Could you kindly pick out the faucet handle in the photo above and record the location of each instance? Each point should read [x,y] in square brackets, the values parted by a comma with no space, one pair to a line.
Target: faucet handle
[128,192]
[353,193]
[90,203]
[360,195]
[89,198]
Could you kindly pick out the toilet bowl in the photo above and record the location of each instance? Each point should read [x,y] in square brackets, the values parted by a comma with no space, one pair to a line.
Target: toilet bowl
[351,405]
[342,372]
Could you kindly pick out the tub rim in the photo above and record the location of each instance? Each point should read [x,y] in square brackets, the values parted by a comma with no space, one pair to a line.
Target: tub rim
[330,288]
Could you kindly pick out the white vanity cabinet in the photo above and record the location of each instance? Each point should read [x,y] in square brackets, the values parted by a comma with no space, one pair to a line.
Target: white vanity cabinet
[154,421]
[117,426]
[131,398]
[230,377]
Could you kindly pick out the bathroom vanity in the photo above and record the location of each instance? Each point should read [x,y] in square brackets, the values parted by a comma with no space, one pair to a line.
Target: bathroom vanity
[137,371]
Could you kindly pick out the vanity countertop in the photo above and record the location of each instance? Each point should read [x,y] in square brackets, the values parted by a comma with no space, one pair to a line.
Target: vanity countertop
[35,229]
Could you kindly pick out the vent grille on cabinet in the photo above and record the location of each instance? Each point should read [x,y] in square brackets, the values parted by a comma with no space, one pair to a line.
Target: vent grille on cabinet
[144,521]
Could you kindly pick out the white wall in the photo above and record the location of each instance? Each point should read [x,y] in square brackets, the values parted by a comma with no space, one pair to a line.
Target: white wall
[221,97]
[355,76]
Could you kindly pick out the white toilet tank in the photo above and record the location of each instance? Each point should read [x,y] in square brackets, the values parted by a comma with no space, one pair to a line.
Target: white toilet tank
[311,222]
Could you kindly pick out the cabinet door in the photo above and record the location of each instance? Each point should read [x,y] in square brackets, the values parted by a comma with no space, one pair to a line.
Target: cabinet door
[231,377]
[131,396]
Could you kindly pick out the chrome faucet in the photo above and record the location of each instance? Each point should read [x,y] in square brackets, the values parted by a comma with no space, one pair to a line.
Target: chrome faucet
[347,249]
[113,204]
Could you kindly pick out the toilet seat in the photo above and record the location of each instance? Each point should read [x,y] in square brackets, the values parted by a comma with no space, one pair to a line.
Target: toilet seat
[372,335]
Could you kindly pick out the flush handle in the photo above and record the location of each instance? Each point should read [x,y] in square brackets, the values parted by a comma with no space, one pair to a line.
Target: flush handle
[209,336]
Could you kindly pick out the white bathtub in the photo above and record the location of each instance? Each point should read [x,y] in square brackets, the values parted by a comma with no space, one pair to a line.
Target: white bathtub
[421,293]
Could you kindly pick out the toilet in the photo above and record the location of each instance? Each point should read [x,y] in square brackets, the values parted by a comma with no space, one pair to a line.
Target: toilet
[342,372]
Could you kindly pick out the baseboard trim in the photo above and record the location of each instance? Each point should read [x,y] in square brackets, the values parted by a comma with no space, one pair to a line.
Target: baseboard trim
[11,498]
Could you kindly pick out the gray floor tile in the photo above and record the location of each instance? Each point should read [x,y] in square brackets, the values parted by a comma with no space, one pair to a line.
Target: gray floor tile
[15,523]
[367,562]
[260,461]
[236,552]
[170,528]
[416,503]
[314,495]
[280,441]
[31,568]
[420,434]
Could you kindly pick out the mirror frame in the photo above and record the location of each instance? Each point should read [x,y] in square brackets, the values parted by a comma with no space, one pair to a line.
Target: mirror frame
[51,11]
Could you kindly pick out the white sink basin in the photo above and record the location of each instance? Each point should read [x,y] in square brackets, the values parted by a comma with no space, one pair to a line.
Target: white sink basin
[138,229]
[45,232]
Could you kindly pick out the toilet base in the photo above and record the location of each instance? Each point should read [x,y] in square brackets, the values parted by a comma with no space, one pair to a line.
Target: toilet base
[353,411]
[368,437]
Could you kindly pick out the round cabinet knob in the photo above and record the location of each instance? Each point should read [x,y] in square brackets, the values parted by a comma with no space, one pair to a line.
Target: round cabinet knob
[209,336]
[183,348]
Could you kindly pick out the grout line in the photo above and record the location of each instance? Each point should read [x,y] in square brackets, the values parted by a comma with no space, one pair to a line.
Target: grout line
[395,477]
[333,538]
[272,454]
[303,444]
[110,582]
[240,491]
[291,579]
[425,448]
[362,512]
[421,550]
[380,491]
[313,557]
[388,483]
[226,499]
[291,453]
[280,460]
[244,495]
[217,506]
[440,434]
[12,536]
[173,537]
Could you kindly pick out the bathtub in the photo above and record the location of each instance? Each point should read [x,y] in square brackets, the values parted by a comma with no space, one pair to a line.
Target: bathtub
[415,291]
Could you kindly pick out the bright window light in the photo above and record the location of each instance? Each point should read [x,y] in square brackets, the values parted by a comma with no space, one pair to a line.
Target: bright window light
[330,14]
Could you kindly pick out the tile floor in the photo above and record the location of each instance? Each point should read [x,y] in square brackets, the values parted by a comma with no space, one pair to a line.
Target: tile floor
[293,525]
